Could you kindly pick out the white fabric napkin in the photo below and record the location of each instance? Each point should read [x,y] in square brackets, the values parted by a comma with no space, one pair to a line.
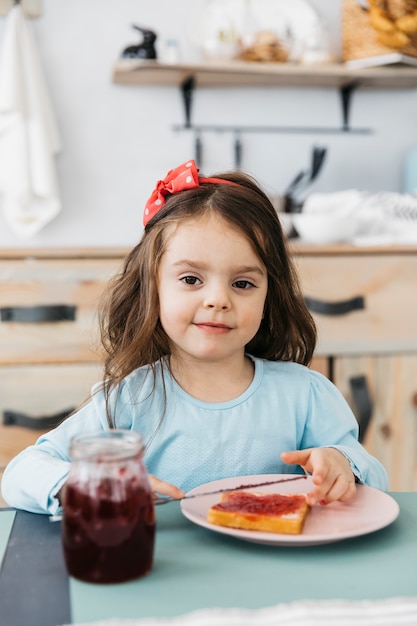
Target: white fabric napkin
[390,612]
[346,200]
[367,218]
[29,138]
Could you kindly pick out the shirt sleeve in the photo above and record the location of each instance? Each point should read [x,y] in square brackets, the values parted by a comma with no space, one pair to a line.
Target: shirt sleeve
[32,480]
[331,423]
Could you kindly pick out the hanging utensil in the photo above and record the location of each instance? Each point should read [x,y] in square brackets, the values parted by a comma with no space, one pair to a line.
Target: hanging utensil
[238,151]
[198,150]
[319,154]
[292,201]
[294,184]
[317,159]
[306,177]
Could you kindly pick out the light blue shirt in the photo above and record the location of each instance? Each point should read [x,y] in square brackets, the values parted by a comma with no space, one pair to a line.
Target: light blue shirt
[286,407]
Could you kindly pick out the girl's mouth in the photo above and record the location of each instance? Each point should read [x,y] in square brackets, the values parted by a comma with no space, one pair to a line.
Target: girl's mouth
[214,328]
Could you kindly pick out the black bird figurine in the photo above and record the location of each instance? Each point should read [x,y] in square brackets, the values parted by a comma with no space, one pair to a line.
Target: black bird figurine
[143,50]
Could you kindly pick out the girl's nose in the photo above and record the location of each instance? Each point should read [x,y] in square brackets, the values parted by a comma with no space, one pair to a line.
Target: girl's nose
[217,299]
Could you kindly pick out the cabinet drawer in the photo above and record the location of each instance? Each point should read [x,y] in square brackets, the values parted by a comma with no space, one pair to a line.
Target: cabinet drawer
[36,286]
[386,286]
[392,432]
[39,391]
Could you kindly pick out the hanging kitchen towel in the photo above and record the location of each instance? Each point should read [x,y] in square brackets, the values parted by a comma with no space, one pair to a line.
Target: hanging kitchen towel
[29,138]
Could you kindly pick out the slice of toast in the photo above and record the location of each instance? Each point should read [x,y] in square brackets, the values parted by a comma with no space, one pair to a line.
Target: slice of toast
[264,512]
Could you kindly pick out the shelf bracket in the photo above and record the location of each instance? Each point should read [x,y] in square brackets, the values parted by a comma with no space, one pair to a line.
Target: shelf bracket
[346,94]
[187,89]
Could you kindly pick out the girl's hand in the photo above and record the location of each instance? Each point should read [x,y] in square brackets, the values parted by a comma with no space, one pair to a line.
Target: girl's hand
[332,476]
[163,488]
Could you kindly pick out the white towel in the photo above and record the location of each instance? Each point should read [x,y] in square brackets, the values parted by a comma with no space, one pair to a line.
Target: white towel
[361,217]
[390,612]
[29,138]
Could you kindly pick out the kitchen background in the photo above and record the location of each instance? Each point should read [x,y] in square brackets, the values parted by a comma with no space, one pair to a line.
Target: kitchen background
[118,140]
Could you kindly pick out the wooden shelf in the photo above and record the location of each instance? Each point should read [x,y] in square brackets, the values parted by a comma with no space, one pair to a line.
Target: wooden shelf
[106,252]
[241,74]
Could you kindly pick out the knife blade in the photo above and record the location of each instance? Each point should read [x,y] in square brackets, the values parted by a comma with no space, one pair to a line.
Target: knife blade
[166,499]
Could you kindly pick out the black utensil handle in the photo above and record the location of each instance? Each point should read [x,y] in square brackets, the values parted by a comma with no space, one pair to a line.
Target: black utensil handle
[15,418]
[198,151]
[363,402]
[38,314]
[238,148]
[335,308]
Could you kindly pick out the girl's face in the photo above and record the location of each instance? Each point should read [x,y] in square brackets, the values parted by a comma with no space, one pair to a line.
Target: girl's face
[212,288]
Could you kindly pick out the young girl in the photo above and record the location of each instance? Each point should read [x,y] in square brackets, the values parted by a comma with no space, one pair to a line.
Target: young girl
[207,343]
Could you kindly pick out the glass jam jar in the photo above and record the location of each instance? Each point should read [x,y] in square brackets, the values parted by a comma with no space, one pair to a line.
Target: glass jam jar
[108,527]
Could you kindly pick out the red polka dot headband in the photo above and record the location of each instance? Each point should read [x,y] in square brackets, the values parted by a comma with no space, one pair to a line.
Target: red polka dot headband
[183,177]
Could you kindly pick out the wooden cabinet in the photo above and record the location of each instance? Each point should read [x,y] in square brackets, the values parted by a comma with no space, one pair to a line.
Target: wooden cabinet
[48,308]
[392,431]
[48,367]
[49,344]
[365,306]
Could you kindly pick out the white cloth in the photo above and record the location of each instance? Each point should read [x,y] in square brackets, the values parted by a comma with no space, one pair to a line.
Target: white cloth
[360,217]
[390,612]
[29,138]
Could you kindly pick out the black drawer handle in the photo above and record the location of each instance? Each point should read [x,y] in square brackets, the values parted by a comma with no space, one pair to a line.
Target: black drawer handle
[14,418]
[37,314]
[363,402]
[335,308]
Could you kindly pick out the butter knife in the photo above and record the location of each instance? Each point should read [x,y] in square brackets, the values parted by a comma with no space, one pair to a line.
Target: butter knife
[166,499]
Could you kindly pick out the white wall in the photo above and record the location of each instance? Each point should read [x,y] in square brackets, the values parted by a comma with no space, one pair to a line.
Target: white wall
[118,140]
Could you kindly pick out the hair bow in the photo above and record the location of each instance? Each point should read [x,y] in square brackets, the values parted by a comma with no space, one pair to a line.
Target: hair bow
[183,177]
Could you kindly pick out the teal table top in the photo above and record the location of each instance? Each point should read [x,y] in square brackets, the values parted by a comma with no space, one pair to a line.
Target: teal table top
[196,568]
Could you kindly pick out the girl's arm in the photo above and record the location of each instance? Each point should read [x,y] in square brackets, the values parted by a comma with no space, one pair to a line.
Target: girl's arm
[330,449]
[33,479]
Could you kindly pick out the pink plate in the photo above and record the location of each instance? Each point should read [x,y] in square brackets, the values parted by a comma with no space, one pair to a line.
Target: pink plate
[370,510]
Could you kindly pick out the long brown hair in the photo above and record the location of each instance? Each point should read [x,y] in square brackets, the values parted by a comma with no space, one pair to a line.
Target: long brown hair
[131,332]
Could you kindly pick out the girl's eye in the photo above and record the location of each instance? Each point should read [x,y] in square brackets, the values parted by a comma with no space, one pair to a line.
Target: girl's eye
[191,280]
[243,284]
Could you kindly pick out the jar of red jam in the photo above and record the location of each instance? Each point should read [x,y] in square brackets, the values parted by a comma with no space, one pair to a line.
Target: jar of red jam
[108,526]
